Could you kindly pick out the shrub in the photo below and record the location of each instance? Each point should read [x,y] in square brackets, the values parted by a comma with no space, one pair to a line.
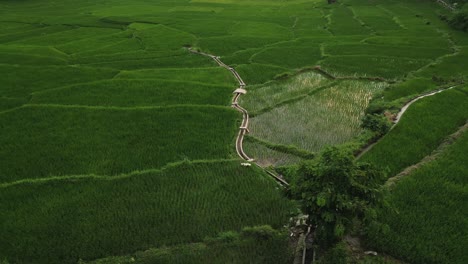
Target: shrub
[376,123]
[460,19]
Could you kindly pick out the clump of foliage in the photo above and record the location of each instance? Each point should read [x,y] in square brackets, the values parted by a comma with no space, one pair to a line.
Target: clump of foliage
[376,123]
[334,191]
[336,255]
[460,19]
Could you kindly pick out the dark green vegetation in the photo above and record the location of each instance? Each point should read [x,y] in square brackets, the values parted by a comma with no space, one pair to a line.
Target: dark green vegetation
[334,191]
[70,140]
[98,97]
[182,203]
[260,244]
[429,225]
[421,130]
[459,20]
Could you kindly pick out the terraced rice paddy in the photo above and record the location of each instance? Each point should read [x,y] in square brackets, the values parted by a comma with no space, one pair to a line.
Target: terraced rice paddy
[326,117]
[433,194]
[116,139]
[408,143]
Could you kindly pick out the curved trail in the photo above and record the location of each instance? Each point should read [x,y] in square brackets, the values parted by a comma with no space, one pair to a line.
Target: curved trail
[405,107]
[244,128]
[399,115]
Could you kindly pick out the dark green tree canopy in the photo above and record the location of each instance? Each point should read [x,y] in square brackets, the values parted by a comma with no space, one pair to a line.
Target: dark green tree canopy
[334,190]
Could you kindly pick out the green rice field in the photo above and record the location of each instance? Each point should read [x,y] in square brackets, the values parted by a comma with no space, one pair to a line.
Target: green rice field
[118,144]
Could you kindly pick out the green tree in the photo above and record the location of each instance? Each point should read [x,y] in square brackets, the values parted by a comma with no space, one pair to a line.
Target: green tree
[334,190]
[460,19]
[377,123]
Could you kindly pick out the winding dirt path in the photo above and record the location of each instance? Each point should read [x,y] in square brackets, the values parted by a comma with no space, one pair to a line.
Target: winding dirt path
[244,128]
[400,114]
[408,104]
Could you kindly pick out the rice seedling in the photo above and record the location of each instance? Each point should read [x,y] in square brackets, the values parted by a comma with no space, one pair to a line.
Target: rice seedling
[329,117]
[265,97]
[267,157]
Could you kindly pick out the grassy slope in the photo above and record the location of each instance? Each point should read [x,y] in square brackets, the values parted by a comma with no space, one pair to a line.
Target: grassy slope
[430,219]
[422,128]
[92,217]
[93,93]
[61,140]
[53,46]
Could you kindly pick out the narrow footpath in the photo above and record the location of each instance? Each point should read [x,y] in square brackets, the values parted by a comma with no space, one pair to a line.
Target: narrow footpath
[400,114]
[244,128]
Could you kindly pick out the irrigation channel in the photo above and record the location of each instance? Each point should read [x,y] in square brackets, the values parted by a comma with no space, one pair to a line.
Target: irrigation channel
[244,128]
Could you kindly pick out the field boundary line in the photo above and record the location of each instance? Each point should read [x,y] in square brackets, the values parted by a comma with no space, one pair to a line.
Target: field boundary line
[123,79]
[449,141]
[402,111]
[109,177]
[329,75]
[120,108]
[285,149]
[293,100]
